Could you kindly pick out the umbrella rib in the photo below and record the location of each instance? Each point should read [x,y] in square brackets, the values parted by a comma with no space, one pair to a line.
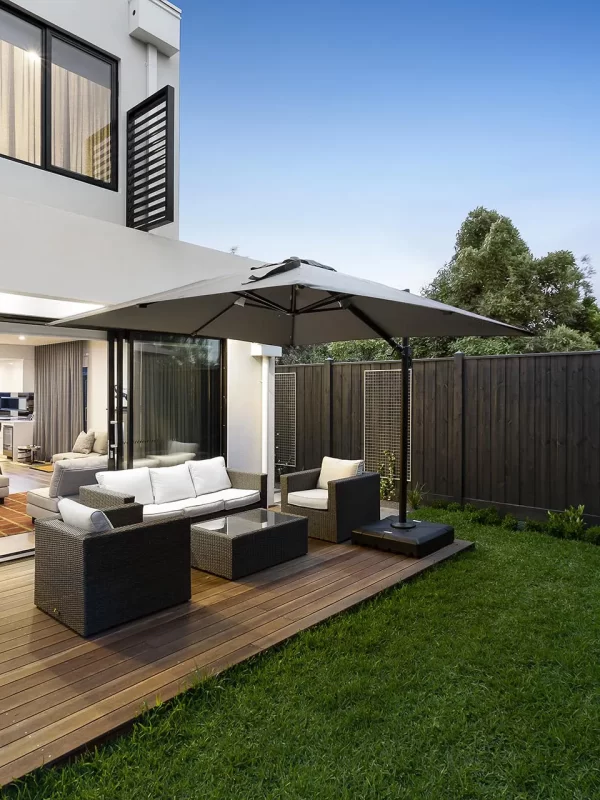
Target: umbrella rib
[212,319]
[251,295]
[375,327]
[324,302]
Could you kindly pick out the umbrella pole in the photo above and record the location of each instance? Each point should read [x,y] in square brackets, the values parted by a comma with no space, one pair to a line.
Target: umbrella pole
[402,522]
[404,352]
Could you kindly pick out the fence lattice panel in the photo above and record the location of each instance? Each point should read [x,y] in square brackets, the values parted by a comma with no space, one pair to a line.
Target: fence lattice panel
[382,417]
[285,419]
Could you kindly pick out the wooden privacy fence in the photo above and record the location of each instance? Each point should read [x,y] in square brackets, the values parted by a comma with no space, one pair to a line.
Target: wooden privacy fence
[519,432]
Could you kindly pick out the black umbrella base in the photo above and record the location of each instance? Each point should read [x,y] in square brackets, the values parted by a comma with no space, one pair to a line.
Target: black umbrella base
[422,540]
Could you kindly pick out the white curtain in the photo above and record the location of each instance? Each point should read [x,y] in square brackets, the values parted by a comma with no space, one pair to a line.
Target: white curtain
[20,103]
[81,111]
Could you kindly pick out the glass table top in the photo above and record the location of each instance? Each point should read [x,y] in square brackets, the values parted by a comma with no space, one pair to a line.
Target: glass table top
[244,522]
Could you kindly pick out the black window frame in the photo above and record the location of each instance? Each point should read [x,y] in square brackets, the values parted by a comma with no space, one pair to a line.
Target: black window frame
[49,31]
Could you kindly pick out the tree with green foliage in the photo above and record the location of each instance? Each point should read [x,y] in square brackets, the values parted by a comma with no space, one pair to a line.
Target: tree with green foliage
[493,272]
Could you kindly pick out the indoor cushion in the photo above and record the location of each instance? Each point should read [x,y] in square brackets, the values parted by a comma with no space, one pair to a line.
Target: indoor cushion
[173,459]
[311,498]
[183,447]
[203,506]
[134,482]
[171,483]
[42,499]
[4,481]
[334,469]
[209,475]
[84,518]
[100,444]
[84,443]
[70,475]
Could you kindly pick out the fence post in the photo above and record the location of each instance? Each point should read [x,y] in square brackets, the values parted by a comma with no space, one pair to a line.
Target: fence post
[458,449]
[330,394]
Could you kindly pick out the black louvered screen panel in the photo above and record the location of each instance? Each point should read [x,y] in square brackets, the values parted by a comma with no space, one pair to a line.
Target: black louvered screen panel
[150,161]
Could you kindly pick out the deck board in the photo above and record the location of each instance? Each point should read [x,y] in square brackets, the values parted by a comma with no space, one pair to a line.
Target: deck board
[59,692]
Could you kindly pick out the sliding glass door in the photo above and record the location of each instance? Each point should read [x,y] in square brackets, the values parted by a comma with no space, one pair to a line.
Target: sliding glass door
[166,399]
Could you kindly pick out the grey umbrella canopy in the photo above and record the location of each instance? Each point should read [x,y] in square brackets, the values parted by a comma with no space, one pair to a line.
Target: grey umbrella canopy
[299,302]
[296,302]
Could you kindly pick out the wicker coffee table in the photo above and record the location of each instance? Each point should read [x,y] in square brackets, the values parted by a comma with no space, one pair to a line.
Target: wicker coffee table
[248,542]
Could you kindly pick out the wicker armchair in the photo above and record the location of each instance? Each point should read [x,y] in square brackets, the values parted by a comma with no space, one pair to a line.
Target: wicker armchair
[351,502]
[94,581]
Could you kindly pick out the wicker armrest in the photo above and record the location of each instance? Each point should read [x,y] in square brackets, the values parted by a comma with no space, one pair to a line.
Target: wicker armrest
[97,497]
[126,514]
[355,501]
[299,482]
[249,480]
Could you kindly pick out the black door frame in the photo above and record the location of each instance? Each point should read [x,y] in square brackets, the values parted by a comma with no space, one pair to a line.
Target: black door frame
[119,342]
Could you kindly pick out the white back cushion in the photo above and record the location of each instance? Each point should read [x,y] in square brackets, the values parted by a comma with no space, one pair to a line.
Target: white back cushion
[172,483]
[209,475]
[86,519]
[333,469]
[135,482]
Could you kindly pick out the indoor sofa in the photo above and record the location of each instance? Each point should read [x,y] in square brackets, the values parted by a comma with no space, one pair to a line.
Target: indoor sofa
[67,479]
[197,489]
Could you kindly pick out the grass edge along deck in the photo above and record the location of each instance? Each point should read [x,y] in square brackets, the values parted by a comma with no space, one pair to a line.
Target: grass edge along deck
[60,694]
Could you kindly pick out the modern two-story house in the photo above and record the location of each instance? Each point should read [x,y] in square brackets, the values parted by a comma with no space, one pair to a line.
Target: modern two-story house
[89,216]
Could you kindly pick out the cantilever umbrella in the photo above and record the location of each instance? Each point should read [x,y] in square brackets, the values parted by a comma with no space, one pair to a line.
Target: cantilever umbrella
[299,302]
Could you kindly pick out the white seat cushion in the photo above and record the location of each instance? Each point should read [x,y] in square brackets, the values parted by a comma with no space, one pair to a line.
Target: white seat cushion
[238,498]
[311,498]
[171,483]
[64,456]
[41,499]
[203,506]
[156,511]
[134,482]
[334,469]
[209,475]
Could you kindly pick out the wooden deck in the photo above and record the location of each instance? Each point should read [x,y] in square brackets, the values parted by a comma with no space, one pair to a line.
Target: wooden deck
[59,692]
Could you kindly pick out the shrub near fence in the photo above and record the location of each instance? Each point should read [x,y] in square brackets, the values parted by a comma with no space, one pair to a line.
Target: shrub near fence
[519,432]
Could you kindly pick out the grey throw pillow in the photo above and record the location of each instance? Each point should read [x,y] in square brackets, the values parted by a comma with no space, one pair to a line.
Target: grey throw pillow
[84,443]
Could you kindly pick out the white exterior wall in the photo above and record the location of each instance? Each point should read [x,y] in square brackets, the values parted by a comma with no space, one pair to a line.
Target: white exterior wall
[251,409]
[244,408]
[103,24]
[97,361]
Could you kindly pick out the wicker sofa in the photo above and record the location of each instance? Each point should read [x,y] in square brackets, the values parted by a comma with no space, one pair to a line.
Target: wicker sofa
[94,581]
[166,492]
[333,512]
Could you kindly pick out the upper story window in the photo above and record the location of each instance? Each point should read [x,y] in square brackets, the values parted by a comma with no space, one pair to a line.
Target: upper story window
[58,101]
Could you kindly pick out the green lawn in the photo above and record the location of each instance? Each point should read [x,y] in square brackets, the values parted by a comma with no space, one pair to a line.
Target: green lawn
[479,680]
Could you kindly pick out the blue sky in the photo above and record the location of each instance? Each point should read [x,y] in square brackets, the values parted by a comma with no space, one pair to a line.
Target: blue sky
[360,134]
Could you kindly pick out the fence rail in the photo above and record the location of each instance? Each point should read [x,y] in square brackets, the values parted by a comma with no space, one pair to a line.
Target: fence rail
[519,432]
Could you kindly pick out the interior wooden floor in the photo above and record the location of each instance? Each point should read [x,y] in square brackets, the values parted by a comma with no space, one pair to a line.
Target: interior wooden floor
[22,477]
[59,692]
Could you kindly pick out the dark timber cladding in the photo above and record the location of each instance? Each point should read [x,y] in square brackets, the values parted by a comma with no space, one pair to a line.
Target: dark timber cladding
[59,692]
[520,432]
[150,161]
